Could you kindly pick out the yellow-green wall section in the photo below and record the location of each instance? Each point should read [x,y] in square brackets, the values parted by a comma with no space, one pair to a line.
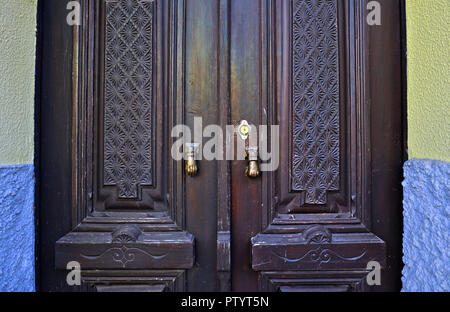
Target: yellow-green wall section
[17,71]
[428,45]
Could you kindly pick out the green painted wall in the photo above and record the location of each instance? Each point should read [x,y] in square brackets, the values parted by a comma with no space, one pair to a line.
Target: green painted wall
[428,25]
[17,68]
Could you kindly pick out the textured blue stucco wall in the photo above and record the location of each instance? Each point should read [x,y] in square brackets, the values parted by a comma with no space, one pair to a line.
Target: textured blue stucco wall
[17,228]
[426,237]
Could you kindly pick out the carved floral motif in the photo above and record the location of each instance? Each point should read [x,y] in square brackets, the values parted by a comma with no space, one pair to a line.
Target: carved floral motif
[317,234]
[126,234]
[124,255]
[320,255]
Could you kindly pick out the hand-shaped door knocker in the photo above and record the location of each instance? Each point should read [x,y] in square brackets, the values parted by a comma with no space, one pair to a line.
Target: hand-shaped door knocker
[191,164]
[251,150]
[252,170]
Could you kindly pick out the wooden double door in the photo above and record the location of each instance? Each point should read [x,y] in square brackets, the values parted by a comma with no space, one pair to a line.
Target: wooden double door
[112,197]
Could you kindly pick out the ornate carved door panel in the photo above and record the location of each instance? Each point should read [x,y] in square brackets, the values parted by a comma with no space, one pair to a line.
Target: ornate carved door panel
[315,70]
[139,67]
[128,198]
[112,198]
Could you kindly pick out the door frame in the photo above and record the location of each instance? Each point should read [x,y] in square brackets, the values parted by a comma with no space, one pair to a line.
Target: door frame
[53,98]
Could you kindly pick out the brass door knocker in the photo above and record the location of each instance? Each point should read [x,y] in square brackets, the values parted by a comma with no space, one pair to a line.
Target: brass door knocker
[252,170]
[251,150]
[191,150]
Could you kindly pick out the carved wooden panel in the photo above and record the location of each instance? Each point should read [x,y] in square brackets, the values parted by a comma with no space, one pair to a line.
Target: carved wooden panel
[133,281]
[313,67]
[338,252]
[128,96]
[124,115]
[132,115]
[168,250]
[316,65]
[313,281]
[315,99]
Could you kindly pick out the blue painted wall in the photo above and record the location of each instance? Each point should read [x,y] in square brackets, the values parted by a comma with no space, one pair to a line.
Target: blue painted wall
[17,69]
[17,228]
[426,237]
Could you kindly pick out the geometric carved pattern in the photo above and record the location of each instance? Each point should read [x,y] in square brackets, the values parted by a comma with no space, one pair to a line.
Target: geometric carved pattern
[128,96]
[315,83]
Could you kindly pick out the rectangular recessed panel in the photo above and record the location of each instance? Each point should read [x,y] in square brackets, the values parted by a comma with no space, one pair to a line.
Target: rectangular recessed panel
[315,99]
[128,96]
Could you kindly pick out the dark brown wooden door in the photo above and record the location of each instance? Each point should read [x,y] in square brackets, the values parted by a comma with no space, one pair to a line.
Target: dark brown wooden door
[112,198]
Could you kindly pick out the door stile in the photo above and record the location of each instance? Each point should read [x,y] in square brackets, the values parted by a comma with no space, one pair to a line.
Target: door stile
[246,94]
[223,174]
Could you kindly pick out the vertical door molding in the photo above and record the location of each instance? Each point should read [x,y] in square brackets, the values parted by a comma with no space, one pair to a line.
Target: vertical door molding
[224,170]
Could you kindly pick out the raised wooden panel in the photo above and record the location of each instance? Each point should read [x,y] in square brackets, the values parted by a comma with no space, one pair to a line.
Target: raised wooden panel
[311,281]
[314,82]
[315,288]
[133,280]
[170,250]
[294,252]
[131,288]
[315,100]
[315,173]
[128,102]
[129,116]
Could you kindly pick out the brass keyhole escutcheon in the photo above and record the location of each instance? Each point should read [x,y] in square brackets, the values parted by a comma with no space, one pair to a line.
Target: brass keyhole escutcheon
[244,130]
